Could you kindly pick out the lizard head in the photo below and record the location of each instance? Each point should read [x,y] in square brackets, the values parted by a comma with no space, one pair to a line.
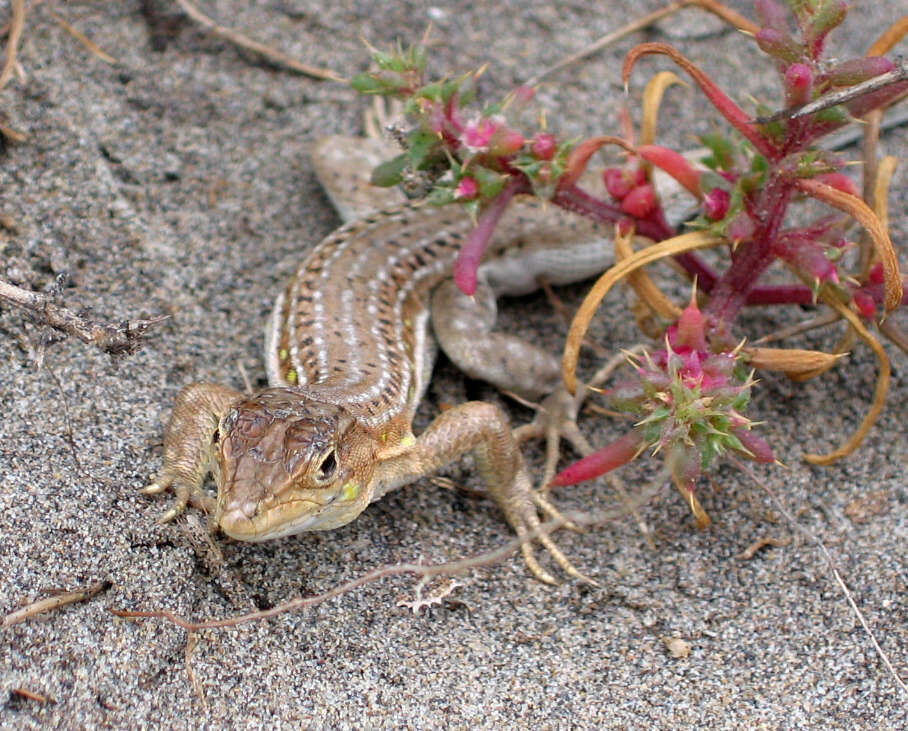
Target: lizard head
[287,464]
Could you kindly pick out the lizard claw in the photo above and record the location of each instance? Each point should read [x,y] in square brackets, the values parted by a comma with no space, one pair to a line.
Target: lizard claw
[162,484]
[155,488]
[185,495]
[545,539]
[530,522]
[556,419]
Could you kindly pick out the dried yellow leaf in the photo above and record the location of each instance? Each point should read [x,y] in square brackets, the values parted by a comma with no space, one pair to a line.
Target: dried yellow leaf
[792,361]
[862,213]
[581,322]
[879,393]
[652,99]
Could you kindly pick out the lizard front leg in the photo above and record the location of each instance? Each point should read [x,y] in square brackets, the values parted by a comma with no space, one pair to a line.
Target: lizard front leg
[188,444]
[483,429]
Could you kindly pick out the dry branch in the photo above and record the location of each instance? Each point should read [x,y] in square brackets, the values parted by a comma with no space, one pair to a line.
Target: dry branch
[117,339]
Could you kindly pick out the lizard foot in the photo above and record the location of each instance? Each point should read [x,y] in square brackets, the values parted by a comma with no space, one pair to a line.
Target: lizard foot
[185,495]
[545,539]
[556,419]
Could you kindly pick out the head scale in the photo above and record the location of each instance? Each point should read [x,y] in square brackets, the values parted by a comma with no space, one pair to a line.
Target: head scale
[287,464]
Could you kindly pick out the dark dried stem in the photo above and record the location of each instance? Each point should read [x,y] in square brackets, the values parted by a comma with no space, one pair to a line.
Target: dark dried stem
[116,339]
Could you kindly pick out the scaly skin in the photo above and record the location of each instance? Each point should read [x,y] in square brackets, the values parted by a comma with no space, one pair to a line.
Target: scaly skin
[349,356]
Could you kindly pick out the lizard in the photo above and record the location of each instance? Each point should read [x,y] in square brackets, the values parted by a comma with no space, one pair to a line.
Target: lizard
[349,356]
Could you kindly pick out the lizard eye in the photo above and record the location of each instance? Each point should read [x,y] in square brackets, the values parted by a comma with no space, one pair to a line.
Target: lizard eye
[327,468]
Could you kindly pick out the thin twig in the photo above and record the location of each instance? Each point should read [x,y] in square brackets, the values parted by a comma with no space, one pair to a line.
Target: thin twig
[608,39]
[192,640]
[12,134]
[459,566]
[835,572]
[618,484]
[834,98]
[272,54]
[119,339]
[869,171]
[32,696]
[67,422]
[613,364]
[54,602]
[562,311]
[749,552]
[819,321]
[853,133]
[84,40]
[17,25]
[895,334]
[728,15]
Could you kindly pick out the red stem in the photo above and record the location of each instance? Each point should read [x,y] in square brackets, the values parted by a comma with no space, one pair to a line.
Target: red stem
[478,241]
[751,259]
[574,198]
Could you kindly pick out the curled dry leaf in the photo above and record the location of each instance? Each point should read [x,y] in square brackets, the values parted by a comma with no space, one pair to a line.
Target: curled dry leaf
[862,213]
[736,116]
[652,99]
[728,15]
[580,157]
[792,361]
[892,35]
[581,322]
[879,393]
[650,295]
[884,171]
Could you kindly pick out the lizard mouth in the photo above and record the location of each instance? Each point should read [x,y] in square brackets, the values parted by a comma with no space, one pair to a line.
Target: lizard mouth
[248,522]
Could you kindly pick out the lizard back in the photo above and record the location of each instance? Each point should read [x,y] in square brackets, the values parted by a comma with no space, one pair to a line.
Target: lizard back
[351,327]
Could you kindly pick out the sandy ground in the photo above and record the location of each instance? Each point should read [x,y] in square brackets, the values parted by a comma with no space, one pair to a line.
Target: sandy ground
[177,182]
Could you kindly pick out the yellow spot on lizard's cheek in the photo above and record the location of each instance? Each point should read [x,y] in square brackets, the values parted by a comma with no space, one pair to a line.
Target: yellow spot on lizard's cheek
[350,491]
[408,441]
[291,376]
[283,354]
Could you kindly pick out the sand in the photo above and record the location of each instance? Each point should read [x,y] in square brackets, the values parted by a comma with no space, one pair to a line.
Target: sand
[177,182]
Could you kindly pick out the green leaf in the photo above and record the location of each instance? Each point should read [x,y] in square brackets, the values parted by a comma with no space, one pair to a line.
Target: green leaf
[366,83]
[833,115]
[490,182]
[386,61]
[440,196]
[422,144]
[432,92]
[389,172]
[468,90]
[710,180]
[723,157]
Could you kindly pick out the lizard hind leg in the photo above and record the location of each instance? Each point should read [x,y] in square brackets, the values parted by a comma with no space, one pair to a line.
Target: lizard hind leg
[464,326]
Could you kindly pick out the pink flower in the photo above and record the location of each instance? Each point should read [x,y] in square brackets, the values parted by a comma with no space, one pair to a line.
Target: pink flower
[864,303]
[618,182]
[478,133]
[467,189]
[506,142]
[640,202]
[798,81]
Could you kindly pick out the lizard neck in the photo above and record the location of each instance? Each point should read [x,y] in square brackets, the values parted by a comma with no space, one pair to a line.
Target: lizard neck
[351,326]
